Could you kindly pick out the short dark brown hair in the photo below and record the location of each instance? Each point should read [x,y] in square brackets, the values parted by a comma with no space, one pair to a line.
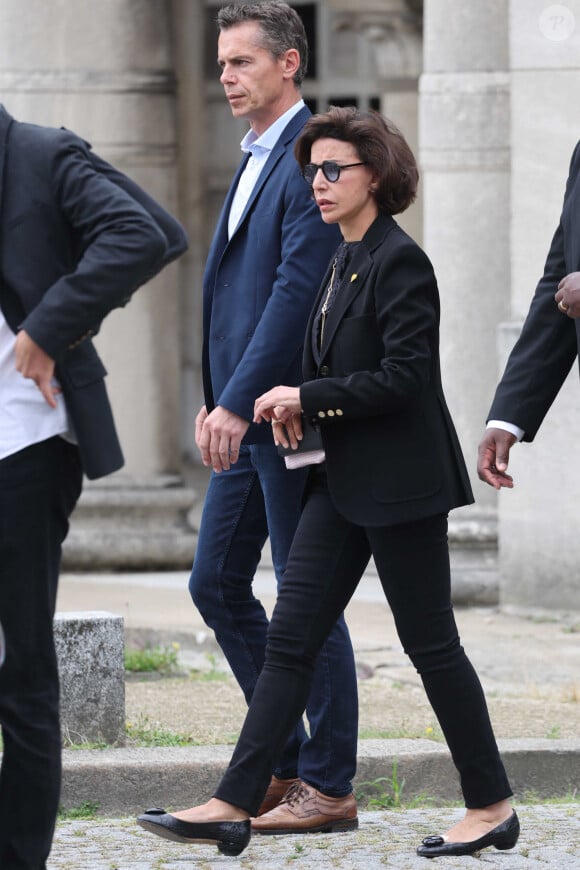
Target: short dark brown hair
[379,144]
[280,25]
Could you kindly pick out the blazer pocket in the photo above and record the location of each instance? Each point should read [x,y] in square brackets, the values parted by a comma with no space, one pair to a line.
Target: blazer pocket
[411,467]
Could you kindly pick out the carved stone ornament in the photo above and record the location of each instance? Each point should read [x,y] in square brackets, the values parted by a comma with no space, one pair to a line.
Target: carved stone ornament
[394,27]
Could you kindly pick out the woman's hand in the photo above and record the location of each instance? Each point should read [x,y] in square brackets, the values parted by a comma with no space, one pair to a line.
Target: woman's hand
[281,407]
[285,401]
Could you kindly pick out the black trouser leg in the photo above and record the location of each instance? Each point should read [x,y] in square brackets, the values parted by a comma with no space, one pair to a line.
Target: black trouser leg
[39,487]
[326,562]
[413,564]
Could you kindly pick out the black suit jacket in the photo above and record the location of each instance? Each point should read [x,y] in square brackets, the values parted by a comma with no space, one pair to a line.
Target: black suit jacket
[548,344]
[77,238]
[392,453]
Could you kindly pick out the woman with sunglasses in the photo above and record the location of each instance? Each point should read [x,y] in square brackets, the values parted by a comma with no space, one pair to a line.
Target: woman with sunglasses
[382,481]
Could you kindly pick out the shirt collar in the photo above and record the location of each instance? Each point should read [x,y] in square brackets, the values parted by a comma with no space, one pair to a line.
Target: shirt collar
[266,142]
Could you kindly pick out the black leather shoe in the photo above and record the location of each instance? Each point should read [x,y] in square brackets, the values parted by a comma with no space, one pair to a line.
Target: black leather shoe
[231,838]
[505,836]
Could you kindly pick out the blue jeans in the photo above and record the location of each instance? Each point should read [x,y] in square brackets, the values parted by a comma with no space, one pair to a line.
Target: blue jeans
[258,497]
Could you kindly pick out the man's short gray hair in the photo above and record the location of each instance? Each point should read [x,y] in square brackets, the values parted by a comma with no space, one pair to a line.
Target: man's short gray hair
[281,28]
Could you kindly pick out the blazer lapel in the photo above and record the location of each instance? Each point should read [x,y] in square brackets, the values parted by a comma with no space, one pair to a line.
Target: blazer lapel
[289,133]
[221,233]
[350,286]
[271,162]
[354,278]
[219,241]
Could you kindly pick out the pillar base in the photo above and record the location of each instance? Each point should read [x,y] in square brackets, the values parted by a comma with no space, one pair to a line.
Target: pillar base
[473,555]
[131,523]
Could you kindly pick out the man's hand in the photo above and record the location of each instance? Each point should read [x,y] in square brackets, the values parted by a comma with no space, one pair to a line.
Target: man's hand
[568,295]
[493,457]
[32,362]
[199,421]
[218,436]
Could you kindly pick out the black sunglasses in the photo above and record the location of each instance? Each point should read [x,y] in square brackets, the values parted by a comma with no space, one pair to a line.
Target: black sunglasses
[330,170]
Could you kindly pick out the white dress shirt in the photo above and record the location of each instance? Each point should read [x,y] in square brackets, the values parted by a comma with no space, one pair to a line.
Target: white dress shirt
[25,416]
[507,427]
[260,148]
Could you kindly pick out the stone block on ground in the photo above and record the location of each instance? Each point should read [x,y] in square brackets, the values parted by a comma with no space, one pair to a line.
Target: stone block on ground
[90,651]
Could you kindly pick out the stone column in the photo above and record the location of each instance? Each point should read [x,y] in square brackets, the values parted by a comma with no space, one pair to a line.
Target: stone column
[538,530]
[464,147]
[464,153]
[393,29]
[192,158]
[105,70]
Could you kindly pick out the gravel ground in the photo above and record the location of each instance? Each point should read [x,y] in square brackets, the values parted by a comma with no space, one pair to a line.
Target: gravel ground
[530,670]
[212,712]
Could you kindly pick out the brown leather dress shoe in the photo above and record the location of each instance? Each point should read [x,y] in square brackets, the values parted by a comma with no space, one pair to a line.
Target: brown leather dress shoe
[304,810]
[276,791]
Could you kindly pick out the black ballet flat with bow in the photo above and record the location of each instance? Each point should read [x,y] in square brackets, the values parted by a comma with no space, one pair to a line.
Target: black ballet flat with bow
[231,838]
[504,836]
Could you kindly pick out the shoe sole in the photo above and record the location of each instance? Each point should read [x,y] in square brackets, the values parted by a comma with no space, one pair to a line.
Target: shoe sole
[229,849]
[225,846]
[326,828]
[502,841]
[168,834]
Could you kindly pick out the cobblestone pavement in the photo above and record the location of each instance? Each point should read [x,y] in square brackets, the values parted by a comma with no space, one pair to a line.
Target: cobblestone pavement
[550,838]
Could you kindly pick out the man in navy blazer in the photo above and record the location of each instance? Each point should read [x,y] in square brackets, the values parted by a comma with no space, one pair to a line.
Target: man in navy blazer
[267,257]
[77,238]
[545,350]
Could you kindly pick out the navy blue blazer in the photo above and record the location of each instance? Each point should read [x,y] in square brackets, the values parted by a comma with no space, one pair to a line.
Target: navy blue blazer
[259,286]
[549,341]
[77,238]
[392,453]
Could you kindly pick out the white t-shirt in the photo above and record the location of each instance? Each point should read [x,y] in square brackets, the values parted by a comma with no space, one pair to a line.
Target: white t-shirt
[25,416]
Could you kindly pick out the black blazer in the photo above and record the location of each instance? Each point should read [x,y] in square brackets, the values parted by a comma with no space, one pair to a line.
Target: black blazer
[549,341]
[392,454]
[77,238]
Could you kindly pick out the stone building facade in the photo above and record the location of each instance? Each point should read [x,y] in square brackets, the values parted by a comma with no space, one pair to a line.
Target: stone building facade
[485,93]
[497,129]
